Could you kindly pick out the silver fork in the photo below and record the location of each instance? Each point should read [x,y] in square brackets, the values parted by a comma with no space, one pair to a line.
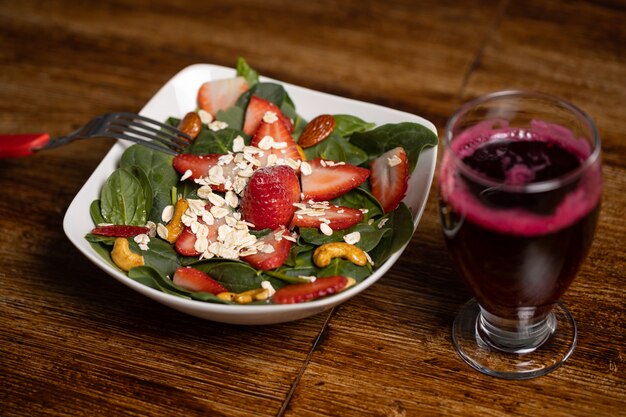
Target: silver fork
[119,125]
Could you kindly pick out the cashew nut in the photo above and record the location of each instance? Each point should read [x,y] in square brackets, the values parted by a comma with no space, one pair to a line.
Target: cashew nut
[123,257]
[326,252]
[175,227]
[246,297]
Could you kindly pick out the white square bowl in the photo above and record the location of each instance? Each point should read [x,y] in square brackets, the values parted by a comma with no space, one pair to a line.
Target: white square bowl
[176,98]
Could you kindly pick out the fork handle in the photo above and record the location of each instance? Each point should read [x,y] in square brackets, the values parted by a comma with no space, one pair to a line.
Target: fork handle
[15,146]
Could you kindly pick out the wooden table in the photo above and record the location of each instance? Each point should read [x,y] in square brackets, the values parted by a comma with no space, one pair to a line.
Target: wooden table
[73,341]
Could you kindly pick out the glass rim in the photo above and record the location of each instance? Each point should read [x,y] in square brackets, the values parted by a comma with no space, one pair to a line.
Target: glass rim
[534,187]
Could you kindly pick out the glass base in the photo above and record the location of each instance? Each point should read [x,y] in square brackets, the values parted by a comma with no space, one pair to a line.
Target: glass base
[481,355]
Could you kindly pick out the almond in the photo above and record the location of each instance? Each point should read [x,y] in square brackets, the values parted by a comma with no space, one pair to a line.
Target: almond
[190,124]
[317,130]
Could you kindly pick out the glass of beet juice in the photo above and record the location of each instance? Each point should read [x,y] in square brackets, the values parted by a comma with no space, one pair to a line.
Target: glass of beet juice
[520,187]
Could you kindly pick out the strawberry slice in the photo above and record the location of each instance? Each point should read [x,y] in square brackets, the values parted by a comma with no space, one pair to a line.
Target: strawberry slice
[117,230]
[199,165]
[329,179]
[217,95]
[274,251]
[299,293]
[282,144]
[195,280]
[267,200]
[257,107]
[337,217]
[390,178]
[185,243]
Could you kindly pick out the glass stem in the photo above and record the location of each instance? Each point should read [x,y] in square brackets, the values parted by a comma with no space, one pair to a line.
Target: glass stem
[514,336]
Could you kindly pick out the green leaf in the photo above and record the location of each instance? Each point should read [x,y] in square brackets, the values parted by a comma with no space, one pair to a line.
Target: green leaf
[233,116]
[106,240]
[337,148]
[359,198]
[271,92]
[96,212]
[370,235]
[210,142]
[158,168]
[401,222]
[122,199]
[403,227]
[287,276]
[347,124]
[300,255]
[148,194]
[161,256]
[104,251]
[244,70]
[234,275]
[346,269]
[413,137]
[149,276]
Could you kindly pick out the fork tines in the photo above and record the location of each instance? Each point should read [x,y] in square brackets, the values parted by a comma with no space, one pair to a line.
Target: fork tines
[137,128]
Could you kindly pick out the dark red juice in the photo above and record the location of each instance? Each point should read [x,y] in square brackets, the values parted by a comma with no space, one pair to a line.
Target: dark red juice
[518,250]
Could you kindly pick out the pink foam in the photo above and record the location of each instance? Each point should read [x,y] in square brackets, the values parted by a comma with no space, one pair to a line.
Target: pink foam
[519,221]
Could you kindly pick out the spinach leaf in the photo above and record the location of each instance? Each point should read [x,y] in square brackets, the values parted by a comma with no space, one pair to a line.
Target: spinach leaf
[220,142]
[104,251]
[148,194]
[233,116]
[105,240]
[347,124]
[401,223]
[149,276]
[300,255]
[96,212]
[244,70]
[337,148]
[272,92]
[285,276]
[346,269]
[360,198]
[159,170]
[161,256]
[234,275]
[122,199]
[413,137]
[370,235]
[152,278]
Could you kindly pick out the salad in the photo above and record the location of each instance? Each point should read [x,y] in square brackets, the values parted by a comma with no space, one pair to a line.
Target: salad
[264,207]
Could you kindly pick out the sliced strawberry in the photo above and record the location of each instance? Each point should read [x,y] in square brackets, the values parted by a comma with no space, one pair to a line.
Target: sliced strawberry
[282,144]
[195,280]
[117,230]
[267,200]
[299,293]
[274,251]
[199,165]
[257,107]
[185,243]
[329,179]
[390,178]
[217,95]
[337,217]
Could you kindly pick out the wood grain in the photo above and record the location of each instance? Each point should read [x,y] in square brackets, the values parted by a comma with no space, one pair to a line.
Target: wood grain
[75,342]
